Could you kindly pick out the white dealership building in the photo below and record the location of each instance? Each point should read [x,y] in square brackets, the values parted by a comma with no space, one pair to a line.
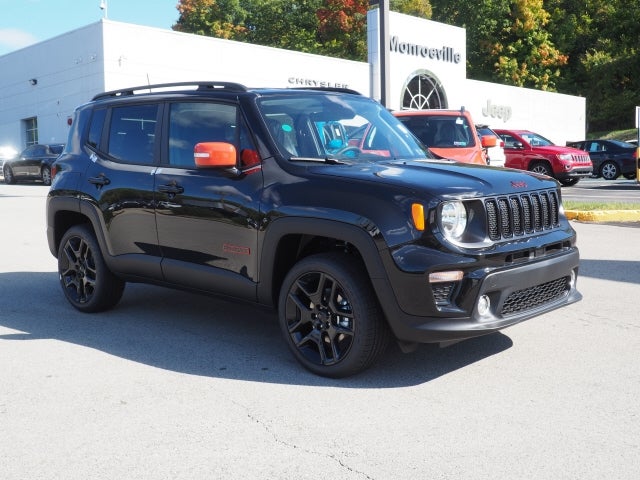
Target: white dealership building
[41,84]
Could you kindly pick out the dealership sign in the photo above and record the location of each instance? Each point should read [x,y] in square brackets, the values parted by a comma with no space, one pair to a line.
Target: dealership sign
[444,54]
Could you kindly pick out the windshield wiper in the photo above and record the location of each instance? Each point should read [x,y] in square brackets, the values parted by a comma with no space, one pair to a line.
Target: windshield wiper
[329,160]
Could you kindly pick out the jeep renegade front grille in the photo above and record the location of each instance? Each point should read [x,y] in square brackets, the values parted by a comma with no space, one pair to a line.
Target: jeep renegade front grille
[523,214]
[533,297]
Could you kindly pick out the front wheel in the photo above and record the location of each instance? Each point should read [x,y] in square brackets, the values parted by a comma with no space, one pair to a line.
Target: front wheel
[569,182]
[542,168]
[629,176]
[9,178]
[86,280]
[330,317]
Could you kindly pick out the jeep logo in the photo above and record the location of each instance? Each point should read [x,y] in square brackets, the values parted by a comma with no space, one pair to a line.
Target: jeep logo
[497,111]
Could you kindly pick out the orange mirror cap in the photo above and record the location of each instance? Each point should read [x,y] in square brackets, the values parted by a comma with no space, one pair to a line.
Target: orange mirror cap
[489,141]
[214,154]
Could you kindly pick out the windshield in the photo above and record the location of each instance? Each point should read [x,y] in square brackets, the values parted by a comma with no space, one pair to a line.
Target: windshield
[441,131]
[536,140]
[339,127]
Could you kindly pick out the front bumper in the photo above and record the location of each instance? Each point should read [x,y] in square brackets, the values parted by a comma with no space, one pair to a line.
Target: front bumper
[515,293]
[579,172]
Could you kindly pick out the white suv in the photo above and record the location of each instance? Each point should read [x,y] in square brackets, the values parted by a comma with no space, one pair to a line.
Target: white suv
[495,155]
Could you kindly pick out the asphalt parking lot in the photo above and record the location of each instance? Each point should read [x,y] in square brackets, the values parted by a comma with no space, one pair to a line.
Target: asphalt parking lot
[179,386]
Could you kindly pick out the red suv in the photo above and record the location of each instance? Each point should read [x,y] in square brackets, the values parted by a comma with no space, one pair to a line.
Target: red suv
[529,151]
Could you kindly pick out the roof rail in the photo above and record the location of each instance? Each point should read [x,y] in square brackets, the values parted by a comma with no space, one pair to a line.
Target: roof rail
[202,86]
[329,89]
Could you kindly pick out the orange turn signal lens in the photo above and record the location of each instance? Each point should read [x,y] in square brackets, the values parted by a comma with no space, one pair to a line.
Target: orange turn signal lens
[417,214]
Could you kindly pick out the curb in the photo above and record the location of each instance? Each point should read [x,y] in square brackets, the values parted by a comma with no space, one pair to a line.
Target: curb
[603,215]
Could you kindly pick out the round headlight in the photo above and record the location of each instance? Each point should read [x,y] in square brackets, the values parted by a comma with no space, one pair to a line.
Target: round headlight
[453,220]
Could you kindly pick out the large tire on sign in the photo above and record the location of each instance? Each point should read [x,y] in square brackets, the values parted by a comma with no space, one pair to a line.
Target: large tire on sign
[541,167]
[86,280]
[330,316]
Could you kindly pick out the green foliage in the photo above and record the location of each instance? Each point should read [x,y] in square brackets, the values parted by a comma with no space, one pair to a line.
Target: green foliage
[580,47]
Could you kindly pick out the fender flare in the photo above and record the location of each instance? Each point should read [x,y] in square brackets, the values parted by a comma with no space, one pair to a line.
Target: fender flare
[363,239]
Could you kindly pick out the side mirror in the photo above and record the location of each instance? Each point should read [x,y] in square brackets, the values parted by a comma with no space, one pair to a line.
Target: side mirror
[518,145]
[214,154]
[488,141]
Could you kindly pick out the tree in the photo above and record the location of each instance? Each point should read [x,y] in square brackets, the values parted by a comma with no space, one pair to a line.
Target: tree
[284,24]
[600,40]
[214,18]
[507,40]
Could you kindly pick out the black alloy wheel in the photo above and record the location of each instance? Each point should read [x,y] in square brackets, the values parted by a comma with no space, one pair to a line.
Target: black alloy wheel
[9,178]
[609,170]
[85,279]
[330,317]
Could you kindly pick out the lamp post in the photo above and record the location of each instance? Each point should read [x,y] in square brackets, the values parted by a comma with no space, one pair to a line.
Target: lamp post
[383,38]
[104,8]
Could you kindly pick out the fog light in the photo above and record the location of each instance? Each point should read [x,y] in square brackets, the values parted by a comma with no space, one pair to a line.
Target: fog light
[572,280]
[484,305]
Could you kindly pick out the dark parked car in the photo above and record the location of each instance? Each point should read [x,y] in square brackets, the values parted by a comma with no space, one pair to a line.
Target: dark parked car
[611,158]
[33,163]
[258,195]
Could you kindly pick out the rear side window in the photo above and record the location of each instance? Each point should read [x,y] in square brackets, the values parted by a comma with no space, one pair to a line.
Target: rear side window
[95,128]
[132,133]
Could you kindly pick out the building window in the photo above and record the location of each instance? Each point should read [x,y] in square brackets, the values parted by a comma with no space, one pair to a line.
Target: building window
[31,130]
[423,91]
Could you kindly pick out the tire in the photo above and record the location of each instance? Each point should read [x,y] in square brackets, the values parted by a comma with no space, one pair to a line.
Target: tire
[9,178]
[330,316]
[629,176]
[86,281]
[45,175]
[609,170]
[542,168]
[569,182]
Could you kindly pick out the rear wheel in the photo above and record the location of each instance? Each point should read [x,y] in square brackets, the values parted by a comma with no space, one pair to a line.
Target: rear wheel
[86,280]
[542,168]
[330,317]
[629,176]
[45,175]
[609,171]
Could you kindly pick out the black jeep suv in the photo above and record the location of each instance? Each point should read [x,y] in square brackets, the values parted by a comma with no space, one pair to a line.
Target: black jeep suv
[318,203]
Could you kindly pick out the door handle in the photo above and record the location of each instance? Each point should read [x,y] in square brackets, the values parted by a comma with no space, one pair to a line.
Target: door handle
[99,181]
[171,188]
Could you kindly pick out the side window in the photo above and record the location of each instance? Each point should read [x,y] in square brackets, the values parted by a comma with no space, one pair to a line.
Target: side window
[196,122]
[95,128]
[132,133]
[509,141]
